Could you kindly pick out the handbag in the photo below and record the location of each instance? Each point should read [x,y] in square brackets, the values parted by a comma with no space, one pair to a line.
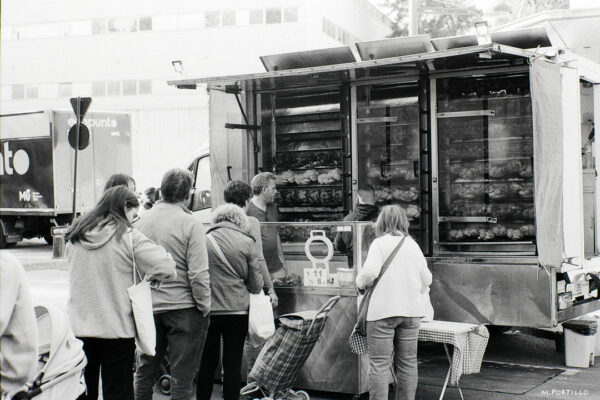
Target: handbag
[261,324]
[358,337]
[140,295]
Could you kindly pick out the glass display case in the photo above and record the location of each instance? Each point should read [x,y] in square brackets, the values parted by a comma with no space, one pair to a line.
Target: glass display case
[485,164]
[314,261]
[391,151]
[304,143]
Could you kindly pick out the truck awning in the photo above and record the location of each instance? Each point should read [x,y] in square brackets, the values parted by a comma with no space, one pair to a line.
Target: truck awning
[404,55]
[337,72]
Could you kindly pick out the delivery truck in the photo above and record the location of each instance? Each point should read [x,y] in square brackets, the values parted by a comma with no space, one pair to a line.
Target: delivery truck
[36,168]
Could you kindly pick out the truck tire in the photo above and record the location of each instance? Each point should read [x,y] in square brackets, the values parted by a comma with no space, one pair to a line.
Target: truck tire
[3,243]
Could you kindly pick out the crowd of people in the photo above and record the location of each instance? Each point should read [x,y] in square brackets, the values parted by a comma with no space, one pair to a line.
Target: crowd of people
[201,280]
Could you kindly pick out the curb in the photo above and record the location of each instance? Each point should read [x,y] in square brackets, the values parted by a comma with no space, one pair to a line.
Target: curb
[36,265]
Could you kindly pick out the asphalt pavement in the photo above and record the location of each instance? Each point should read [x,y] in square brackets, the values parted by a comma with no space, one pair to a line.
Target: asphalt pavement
[516,364]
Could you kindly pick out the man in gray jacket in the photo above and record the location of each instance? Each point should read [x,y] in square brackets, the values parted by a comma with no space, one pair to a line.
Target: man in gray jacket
[181,306]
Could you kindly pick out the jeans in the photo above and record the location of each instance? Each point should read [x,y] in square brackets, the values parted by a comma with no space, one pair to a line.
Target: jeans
[233,329]
[114,357]
[252,350]
[180,334]
[398,336]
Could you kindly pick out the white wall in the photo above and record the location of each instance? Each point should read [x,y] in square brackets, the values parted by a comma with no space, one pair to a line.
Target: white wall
[169,124]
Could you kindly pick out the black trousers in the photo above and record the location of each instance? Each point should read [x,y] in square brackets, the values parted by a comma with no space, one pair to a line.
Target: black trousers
[232,329]
[115,357]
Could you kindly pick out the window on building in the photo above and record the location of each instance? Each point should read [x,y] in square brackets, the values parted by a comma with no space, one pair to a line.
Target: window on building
[99,26]
[228,18]
[65,89]
[6,33]
[113,88]
[122,25]
[5,92]
[99,88]
[47,90]
[290,15]
[32,91]
[212,19]
[18,92]
[79,28]
[273,15]
[129,87]
[191,21]
[145,86]
[145,24]
[164,22]
[257,16]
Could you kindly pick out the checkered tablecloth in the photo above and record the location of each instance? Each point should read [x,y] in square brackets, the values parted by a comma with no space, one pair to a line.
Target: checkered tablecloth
[469,341]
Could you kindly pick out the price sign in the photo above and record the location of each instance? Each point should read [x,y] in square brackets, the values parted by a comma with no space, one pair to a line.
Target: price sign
[315,277]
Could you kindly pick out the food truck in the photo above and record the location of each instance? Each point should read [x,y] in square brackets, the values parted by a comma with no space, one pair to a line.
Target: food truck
[479,139]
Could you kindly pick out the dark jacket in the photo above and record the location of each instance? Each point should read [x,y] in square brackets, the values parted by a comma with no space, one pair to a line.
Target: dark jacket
[230,287]
[343,240]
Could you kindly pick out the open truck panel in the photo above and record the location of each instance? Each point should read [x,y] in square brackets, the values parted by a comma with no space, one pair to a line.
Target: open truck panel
[481,144]
[37,174]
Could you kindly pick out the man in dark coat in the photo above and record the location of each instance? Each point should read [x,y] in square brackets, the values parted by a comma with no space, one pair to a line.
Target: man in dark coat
[365,210]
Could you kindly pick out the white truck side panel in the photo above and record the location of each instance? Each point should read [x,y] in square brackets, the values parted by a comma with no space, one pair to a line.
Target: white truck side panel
[572,171]
[228,147]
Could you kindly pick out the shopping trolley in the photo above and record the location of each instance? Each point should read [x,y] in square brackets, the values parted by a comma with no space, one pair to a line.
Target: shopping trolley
[284,354]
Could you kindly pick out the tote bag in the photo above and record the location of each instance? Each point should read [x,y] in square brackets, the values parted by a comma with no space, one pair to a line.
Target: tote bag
[261,324]
[140,295]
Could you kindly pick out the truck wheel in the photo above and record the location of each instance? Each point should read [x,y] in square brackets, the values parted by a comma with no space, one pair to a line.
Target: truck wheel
[3,243]
[49,239]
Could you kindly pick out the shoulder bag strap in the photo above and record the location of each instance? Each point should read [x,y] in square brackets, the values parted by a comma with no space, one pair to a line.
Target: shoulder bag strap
[388,261]
[135,268]
[219,251]
[361,324]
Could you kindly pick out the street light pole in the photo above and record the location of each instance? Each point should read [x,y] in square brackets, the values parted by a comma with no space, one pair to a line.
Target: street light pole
[413,17]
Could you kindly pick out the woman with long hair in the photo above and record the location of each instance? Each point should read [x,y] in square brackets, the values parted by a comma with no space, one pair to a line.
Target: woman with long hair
[398,303]
[102,246]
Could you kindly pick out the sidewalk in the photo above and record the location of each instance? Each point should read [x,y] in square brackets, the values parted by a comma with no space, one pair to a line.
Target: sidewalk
[36,254]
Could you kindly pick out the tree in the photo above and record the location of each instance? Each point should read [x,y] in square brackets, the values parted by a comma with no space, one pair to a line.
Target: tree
[436,17]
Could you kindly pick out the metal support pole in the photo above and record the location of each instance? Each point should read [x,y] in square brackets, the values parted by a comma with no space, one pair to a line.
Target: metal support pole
[76,159]
[413,17]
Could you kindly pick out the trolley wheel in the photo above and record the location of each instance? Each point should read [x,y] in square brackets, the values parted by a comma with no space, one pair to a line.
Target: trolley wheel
[301,395]
[164,384]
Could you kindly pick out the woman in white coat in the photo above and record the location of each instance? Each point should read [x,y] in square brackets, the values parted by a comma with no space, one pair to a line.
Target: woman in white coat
[398,303]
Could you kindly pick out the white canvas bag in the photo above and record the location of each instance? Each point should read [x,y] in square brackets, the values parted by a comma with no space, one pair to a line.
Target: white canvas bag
[261,324]
[140,295]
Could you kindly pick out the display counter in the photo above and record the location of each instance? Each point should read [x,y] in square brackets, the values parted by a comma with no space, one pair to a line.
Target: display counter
[331,367]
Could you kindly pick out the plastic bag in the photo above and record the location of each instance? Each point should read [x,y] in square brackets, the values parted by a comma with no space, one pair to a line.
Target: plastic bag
[261,324]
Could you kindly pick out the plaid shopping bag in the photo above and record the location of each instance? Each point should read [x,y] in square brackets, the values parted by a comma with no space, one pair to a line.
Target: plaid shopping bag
[357,342]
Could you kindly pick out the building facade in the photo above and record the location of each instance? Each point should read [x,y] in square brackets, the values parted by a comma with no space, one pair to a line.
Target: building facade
[121,53]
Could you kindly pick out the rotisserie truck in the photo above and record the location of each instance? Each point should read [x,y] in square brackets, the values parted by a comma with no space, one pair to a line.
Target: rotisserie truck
[480,143]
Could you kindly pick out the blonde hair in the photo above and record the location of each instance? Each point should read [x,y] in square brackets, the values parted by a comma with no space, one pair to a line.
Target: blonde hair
[391,219]
[231,213]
